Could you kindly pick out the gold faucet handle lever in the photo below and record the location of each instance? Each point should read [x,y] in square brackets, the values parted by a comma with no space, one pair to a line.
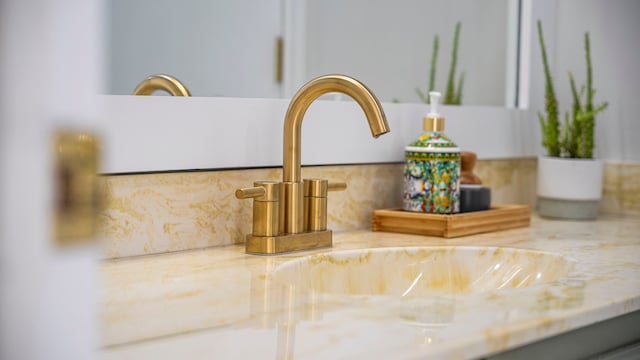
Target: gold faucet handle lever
[265,196]
[320,187]
[337,186]
[261,191]
[252,192]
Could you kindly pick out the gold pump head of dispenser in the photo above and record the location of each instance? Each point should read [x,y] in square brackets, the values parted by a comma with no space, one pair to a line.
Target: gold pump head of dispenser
[433,124]
[433,121]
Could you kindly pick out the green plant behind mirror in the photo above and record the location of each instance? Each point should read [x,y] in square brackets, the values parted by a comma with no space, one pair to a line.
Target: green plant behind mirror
[453,93]
[575,138]
[432,70]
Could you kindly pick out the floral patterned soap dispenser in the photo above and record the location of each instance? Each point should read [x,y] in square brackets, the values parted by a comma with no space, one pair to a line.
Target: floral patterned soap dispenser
[432,168]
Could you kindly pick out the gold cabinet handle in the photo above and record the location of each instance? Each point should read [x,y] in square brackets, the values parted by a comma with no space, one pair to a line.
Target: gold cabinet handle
[77,187]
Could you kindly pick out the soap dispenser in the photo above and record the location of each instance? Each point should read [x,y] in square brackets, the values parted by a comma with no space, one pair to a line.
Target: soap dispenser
[432,168]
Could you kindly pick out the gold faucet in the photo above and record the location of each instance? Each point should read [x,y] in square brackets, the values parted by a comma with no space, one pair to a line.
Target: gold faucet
[164,82]
[292,215]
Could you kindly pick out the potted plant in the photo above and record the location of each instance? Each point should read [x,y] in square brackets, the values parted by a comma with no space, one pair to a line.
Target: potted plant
[569,178]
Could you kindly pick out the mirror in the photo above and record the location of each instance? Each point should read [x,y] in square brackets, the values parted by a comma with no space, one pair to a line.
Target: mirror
[230,49]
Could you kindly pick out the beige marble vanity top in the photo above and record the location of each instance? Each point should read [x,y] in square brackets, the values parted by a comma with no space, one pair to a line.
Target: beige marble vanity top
[220,303]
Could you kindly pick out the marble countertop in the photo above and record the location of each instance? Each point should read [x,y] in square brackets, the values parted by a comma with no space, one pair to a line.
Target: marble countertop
[221,303]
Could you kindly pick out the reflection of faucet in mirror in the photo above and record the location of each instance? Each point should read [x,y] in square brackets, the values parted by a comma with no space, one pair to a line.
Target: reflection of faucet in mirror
[292,215]
[164,82]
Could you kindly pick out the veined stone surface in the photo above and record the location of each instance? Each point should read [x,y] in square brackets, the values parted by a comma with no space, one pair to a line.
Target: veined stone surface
[221,303]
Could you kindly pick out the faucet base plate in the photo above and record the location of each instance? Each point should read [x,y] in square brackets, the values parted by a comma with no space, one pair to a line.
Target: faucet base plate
[271,245]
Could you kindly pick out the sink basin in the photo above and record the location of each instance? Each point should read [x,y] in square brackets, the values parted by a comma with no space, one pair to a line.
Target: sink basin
[417,271]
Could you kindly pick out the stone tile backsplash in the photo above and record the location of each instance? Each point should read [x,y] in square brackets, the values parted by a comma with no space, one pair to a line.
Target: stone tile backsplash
[162,212]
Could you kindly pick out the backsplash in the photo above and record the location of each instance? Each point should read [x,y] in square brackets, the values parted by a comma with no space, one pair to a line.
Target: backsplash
[156,213]
[621,188]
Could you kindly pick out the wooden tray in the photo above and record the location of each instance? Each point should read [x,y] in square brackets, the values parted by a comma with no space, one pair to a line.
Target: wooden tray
[499,217]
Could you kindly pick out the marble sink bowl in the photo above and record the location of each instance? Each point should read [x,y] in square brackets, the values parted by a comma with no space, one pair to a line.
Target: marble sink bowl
[418,271]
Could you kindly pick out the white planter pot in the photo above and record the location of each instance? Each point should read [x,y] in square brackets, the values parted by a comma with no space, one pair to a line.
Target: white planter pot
[569,188]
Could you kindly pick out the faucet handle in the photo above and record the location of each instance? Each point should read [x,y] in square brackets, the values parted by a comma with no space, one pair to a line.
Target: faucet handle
[252,192]
[261,191]
[337,186]
[320,187]
[265,196]
[315,202]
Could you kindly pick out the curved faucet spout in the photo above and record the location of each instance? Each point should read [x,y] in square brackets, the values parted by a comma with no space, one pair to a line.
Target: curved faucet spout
[301,102]
[164,82]
[291,194]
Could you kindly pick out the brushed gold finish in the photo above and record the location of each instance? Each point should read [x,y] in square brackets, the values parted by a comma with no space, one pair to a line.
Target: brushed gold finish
[262,191]
[315,218]
[279,71]
[316,187]
[315,202]
[77,191]
[267,211]
[303,99]
[249,193]
[265,196]
[337,186]
[290,217]
[164,82]
[433,123]
[292,199]
[302,214]
[270,245]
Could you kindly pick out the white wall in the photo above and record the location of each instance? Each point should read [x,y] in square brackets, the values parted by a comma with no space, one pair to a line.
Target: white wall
[216,48]
[51,71]
[614,28]
[388,45]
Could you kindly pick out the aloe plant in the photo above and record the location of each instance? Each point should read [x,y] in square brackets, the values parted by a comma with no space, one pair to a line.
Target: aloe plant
[432,71]
[453,94]
[450,95]
[575,138]
[550,125]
